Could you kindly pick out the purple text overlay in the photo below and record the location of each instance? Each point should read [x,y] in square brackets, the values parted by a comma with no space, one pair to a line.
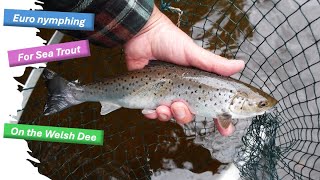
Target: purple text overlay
[49,53]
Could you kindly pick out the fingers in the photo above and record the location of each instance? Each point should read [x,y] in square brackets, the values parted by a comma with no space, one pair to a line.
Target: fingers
[163,113]
[205,60]
[178,110]
[179,48]
[150,114]
[181,112]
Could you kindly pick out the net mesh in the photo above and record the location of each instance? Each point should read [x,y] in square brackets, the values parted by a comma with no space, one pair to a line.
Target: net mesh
[278,39]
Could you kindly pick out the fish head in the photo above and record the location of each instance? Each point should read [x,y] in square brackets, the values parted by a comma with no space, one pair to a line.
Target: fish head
[247,104]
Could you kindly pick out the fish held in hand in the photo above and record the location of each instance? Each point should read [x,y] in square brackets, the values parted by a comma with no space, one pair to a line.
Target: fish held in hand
[206,94]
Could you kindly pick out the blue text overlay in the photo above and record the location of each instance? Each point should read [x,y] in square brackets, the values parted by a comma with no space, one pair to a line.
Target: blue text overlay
[49,19]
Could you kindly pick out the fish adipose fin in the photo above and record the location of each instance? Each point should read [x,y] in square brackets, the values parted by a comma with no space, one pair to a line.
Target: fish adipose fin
[60,93]
[224,124]
[108,107]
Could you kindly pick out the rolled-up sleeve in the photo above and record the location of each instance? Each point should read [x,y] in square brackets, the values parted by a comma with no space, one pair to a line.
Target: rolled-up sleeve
[116,21]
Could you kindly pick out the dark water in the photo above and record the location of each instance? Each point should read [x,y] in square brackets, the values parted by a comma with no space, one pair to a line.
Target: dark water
[279,40]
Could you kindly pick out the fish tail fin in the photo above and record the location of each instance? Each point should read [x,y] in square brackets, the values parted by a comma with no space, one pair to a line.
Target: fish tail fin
[60,93]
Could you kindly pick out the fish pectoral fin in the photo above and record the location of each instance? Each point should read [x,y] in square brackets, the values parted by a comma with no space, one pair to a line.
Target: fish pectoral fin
[224,124]
[225,120]
[108,107]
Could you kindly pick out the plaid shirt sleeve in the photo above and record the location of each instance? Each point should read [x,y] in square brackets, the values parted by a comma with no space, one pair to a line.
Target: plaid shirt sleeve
[116,21]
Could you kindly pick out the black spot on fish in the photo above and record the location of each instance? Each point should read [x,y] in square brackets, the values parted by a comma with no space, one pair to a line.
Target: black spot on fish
[199,98]
[188,87]
[225,100]
[210,99]
[127,88]
[206,105]
[219,94]
[215,104]
[149,78]
[179,86]
[231,91]
[200,86]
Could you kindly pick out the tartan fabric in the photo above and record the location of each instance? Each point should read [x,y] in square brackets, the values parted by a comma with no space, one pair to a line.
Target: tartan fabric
[116,21]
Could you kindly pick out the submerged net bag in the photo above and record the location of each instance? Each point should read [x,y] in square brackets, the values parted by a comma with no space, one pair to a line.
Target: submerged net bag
[278,39]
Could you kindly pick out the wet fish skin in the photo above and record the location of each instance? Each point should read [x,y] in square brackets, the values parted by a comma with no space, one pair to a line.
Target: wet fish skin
[207,94]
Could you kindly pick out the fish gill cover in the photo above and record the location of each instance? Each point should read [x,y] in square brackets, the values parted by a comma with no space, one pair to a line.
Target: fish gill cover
[278,39]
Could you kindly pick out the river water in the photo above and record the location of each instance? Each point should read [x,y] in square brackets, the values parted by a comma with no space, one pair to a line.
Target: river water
[279,40]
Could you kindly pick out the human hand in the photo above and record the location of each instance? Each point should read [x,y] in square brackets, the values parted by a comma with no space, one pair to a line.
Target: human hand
[161,39]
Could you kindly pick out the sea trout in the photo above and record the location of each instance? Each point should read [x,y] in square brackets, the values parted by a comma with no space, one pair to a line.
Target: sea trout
[206,94]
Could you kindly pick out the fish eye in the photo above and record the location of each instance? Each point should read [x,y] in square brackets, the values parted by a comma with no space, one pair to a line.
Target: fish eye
[262,104]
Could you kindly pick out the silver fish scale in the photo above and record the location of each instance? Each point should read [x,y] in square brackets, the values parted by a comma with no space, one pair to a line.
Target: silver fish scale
[207,94]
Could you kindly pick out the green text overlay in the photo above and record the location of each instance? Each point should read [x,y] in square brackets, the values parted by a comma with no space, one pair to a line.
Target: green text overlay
[53,134]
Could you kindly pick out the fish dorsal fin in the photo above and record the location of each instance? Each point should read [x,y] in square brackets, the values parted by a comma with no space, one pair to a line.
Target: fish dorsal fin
[108,107]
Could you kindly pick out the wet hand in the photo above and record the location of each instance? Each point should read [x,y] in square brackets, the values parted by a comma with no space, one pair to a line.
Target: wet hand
[161,39]
[178,110]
